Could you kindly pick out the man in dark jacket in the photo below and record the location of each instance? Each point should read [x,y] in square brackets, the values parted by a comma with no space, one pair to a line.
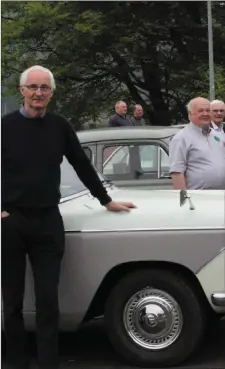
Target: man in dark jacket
[137,118]
[34,142]
[119,119]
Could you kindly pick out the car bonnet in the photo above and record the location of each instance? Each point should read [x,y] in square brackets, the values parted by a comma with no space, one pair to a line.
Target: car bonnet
[156,210]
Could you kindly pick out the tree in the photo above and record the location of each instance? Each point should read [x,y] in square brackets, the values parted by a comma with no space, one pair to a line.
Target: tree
[152,53]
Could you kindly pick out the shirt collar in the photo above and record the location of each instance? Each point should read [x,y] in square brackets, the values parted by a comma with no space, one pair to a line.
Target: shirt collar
[217,127]
[27,115]
[205,131]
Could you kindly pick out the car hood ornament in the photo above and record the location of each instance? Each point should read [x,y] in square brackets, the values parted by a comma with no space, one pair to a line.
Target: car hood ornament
[183,199]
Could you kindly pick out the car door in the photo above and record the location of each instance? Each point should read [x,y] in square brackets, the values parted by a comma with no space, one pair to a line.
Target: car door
[136,163]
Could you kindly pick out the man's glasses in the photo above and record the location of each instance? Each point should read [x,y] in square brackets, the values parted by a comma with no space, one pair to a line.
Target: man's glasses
[34,88]
[218,111]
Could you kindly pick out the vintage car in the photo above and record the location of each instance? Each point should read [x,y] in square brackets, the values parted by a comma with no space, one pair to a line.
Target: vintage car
[156,273]
[131,156]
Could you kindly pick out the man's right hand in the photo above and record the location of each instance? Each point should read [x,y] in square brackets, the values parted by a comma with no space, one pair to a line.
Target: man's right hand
[179,182]
[4,214]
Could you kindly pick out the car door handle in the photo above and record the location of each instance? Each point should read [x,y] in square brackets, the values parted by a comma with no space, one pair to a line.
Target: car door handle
[165,176]
[139,173]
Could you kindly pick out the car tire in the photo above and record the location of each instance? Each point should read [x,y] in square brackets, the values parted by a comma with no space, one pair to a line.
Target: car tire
[154,318]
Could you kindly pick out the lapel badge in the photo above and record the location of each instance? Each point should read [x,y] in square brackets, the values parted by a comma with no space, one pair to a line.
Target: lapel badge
[217,138]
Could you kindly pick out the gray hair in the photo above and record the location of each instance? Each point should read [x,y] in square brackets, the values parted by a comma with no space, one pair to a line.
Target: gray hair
[24,75]
[118,103]
[214,102]
[190,104]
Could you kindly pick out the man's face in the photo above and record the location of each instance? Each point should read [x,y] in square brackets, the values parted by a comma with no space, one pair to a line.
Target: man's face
[200,114]
[217,113]
[37,98]
[122,109]
[138,111]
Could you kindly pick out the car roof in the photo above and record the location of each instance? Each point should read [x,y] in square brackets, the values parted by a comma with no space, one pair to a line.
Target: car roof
[123,133]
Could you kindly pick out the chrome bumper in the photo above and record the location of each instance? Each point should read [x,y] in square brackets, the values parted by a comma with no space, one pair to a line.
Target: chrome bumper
[218,298]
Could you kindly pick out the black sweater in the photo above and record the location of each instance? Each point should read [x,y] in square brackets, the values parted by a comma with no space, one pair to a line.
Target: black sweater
[32,151]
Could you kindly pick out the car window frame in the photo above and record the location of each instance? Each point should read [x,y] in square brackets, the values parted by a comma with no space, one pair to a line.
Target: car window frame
[87,148]
[92,147]
[163,144]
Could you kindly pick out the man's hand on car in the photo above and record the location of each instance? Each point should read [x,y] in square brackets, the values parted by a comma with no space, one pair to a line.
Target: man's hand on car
[120,206]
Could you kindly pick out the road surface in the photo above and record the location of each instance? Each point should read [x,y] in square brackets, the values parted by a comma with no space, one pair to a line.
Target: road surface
[89,348]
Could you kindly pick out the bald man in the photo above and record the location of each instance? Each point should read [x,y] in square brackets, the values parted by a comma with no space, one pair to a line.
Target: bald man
[197,152]
[218,116]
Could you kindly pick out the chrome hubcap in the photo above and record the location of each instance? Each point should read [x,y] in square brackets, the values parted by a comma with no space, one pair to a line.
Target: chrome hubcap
[153,319]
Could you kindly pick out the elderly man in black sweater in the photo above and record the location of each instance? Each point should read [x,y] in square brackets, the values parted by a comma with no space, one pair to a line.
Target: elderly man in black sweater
[33,145]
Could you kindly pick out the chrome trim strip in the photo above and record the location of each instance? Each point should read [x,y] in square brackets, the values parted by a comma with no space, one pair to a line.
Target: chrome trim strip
[152,229]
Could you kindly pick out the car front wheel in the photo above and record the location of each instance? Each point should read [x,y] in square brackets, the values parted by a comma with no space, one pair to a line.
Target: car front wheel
[154,318]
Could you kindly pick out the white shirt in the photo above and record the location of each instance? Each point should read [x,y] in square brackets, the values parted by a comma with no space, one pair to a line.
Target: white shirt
[200,156]
[218,128]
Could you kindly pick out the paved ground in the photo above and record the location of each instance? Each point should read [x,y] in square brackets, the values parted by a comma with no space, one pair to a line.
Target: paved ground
[89,349]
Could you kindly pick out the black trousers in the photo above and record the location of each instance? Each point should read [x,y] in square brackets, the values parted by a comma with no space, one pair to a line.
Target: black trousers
[40,235]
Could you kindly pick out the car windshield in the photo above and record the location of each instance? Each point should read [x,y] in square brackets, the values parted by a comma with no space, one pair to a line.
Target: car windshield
[70,182]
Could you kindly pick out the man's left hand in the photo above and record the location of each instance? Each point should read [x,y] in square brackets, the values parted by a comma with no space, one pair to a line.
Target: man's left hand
[120,206]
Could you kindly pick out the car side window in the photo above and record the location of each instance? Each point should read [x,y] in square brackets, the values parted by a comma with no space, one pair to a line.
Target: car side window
[134,161]
[116,161]
[150,156]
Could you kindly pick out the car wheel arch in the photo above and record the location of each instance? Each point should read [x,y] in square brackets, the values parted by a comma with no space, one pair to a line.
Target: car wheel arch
[114,275]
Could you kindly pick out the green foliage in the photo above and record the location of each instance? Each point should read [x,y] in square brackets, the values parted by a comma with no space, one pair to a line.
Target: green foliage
[152,53]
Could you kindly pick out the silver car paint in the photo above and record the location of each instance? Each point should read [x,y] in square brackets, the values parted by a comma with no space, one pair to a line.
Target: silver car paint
[156,210]
[90,256]
[127,133]
[210,277]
